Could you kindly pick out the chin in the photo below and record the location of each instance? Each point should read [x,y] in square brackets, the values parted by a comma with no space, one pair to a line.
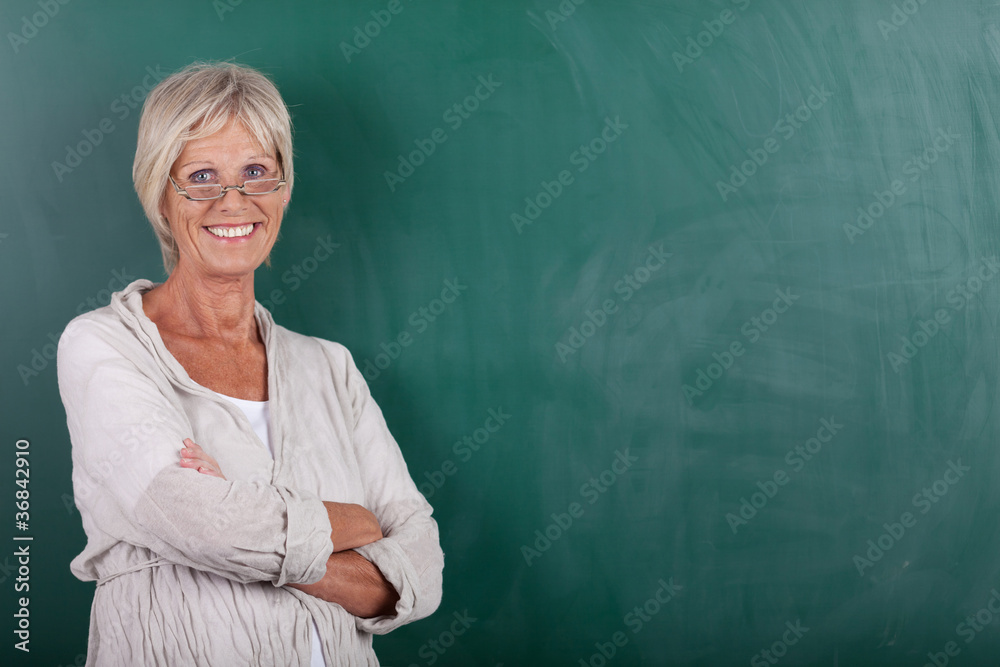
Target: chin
[231,268]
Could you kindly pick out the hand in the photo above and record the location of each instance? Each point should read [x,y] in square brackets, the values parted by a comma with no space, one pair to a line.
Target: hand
[193,456]
[351,525]
[356,584]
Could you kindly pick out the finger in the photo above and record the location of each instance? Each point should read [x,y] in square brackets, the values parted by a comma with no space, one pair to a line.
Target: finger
[201,456]
[194,463]
[192,459]
[188,455]
[194,455]
[200,459]
[192,444]
[195,458]
[194,450]
[202,467]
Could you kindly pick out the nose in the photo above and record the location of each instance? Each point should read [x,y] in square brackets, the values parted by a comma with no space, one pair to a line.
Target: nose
[232,202]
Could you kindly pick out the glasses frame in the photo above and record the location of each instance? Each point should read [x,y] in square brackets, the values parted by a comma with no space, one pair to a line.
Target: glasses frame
[226,188]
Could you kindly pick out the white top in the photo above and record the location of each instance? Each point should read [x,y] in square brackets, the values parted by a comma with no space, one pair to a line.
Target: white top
[258,413]
[191,569]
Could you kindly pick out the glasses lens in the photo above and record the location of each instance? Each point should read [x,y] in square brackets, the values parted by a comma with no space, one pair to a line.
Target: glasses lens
[261,186]
[204,191]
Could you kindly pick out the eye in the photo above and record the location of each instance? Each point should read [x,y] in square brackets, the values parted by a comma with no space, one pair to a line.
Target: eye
[255,172]
[203,176]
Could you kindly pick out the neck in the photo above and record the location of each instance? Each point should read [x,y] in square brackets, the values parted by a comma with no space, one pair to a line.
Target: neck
[207,307]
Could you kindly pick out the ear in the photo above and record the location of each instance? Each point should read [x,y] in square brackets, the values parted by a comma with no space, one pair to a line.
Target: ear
[163,201]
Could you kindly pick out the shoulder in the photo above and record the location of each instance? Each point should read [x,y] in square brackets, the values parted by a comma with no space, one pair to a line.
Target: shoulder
[95,355]
[320,359]
[112,326]
[111,336]
[92,333]
[334,353]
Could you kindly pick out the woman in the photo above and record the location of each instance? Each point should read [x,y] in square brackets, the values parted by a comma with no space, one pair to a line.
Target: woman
[243,500]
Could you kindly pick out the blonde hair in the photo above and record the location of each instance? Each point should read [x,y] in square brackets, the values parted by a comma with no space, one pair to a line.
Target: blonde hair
[194,103]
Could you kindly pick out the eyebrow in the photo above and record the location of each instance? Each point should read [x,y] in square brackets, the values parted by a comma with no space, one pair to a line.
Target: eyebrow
[252,157]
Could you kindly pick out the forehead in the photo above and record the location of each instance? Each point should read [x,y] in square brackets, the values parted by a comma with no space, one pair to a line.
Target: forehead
[232,143]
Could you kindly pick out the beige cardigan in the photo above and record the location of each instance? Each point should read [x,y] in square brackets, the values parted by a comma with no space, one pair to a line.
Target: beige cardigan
[190,568]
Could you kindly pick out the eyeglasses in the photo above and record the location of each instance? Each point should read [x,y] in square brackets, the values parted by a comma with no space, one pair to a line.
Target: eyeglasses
[258,186]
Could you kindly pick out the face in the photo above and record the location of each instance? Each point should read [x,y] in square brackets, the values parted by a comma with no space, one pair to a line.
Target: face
[231,236]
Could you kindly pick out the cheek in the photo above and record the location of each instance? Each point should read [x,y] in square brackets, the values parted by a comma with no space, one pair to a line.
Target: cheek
[183,225]
[277,214]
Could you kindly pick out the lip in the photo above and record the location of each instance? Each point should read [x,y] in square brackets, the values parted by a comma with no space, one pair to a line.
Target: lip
[235,239]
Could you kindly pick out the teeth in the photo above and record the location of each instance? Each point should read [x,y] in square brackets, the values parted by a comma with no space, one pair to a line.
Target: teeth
[231,232]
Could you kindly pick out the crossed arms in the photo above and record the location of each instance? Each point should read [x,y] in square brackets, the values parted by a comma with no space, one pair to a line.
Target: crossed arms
[351,580]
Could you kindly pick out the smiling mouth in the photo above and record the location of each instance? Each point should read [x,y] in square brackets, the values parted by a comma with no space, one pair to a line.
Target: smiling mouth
[230,232]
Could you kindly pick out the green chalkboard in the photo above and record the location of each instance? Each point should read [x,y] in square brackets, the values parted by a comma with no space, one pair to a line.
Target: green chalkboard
[684,313]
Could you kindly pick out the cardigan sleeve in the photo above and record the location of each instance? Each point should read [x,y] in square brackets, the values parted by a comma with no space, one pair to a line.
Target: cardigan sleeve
[409,555]
[127,433]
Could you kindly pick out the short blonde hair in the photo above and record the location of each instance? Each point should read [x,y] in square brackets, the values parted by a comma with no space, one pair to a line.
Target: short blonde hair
[197,102]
